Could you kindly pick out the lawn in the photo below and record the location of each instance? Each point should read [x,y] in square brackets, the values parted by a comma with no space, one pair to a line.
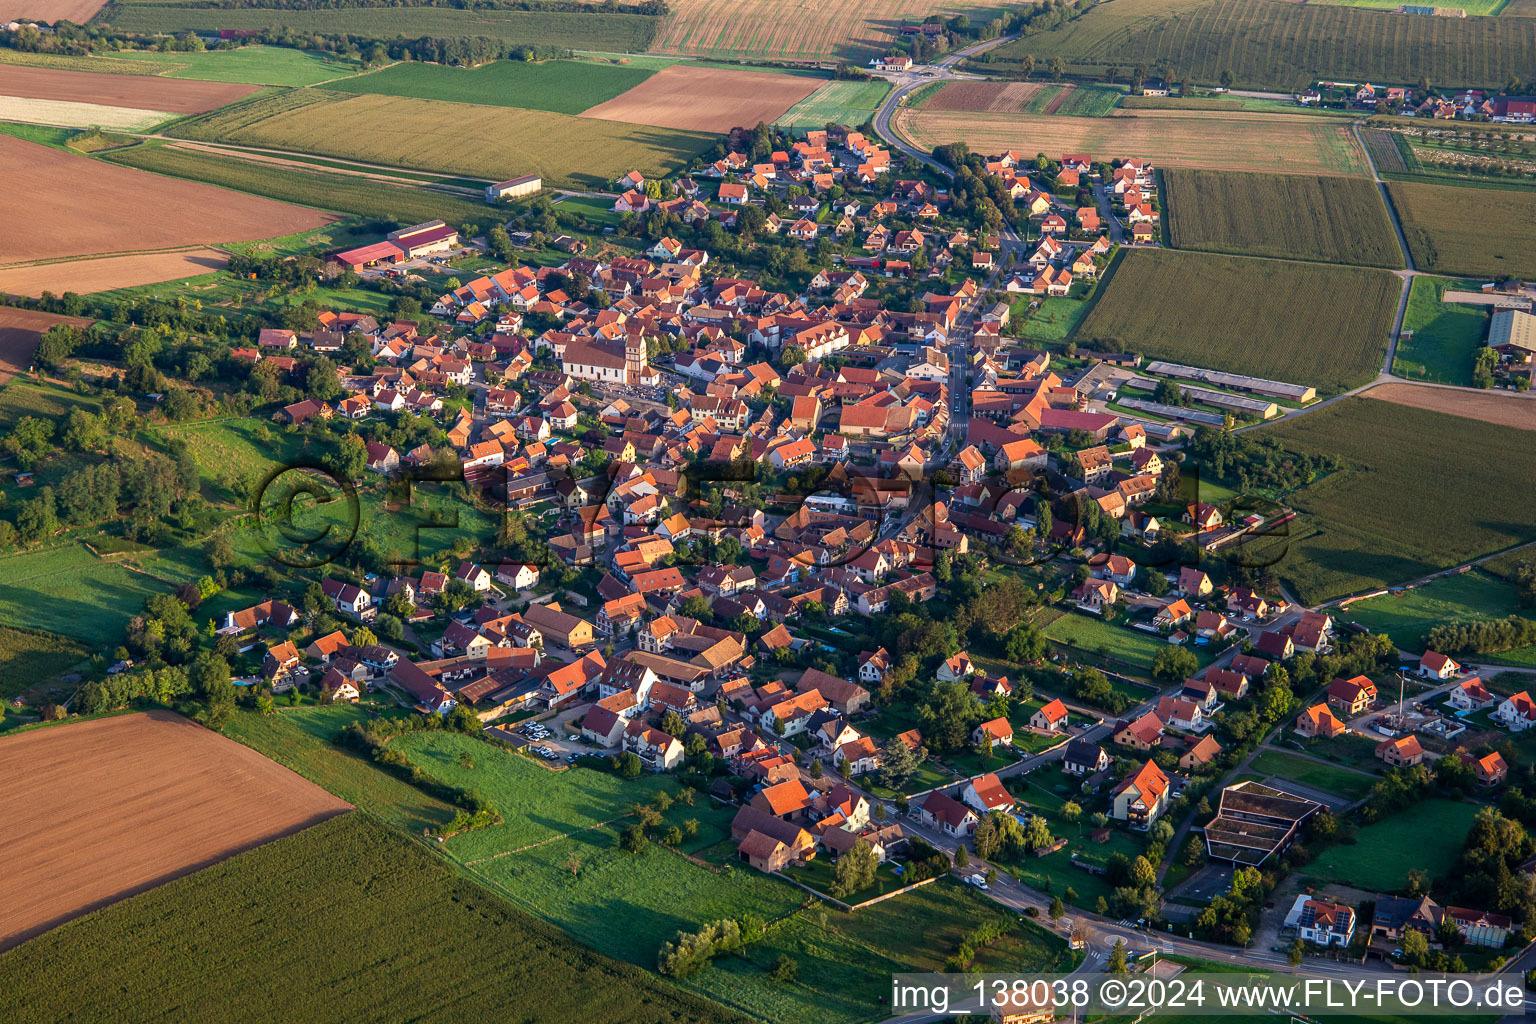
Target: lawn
[255,65]
[348,920]
[1055,873]
[1286,216]
[1407,615]
[1089,634]
[1244,315]
[1054,320]
[1428,836]
[1445,336]
[563,86]
[460,138]
[1372,524]
[847,103]
[232,449]
[28,658]
[1456,230]
[302,738]
[1307,772]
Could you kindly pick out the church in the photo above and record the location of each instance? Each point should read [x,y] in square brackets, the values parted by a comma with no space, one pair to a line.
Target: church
[619,361]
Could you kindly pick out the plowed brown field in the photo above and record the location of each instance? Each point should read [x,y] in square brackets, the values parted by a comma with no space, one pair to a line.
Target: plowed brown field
[59,204]
[986,97]
[177,95]
[50,11]
[706,99]
[1501,407]
[87,276]
[100,810]
[19,331]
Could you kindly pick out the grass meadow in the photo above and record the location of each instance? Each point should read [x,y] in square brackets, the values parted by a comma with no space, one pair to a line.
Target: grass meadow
[1428,836]
[1407,615]
[1088,634]
[562,86]
[348,920]
[1286,216]
[1446,336]
[69,591]
[254,65]
[1307,772]
[1374,523]
[1244,315]
[28,657]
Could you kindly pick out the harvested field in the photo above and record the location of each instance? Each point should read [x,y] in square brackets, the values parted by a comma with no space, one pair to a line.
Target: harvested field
[1507,409]
[706,99]
[87,276]
[50,11]
[19,331]
[1215,140]
[1456,230]
[177,95]
[461,138]
[68,114]
[986,97]
[1288,216]
[65,205]
[103,809]
[1306,323]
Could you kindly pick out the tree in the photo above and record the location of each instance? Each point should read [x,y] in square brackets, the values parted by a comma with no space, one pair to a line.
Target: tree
[1226,79]
[1057,911]
[632,840]
[1071,811]
[1143,873]
[1298,952]
[1117,961]
[629,765]
[962,858]
[1173,664]
[855,869]
[1415,947]
[1194,852]
[785,969]
[672,723]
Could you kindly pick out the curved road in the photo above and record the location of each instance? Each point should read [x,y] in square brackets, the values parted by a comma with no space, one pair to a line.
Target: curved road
[941,70]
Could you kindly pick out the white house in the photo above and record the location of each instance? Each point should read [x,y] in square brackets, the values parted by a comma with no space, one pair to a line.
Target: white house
[1326,924]
[1517,713]
[1438,666]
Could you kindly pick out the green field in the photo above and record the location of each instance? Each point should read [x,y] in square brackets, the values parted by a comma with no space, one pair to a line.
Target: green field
[1428,836]
[357,196]
[1260,317]
[1054,320]
[1373,523]
[1446,336]
[1088,634]
[28,658]
[1408,615]
[536,804]
[563,86]
[1271,44]
[43,401]
[1472,7]
[349,920]
[302,739]
[69,591]
[1287,216]
[846,103]
[461,138]
[1456,230]
[254,65]
[1090,101]
[613,32]
[1307,772]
